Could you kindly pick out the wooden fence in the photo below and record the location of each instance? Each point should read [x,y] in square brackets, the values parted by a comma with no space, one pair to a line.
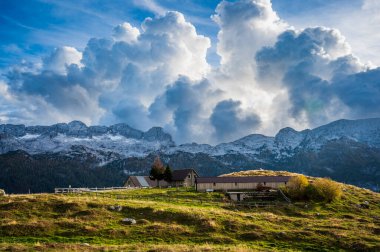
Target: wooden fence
[86,189]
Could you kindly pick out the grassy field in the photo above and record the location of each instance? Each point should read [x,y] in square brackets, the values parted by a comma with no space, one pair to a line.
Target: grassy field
[168,221]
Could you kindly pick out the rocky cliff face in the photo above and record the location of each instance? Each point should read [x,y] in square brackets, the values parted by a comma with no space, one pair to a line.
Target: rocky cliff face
[344,150]
[119,139]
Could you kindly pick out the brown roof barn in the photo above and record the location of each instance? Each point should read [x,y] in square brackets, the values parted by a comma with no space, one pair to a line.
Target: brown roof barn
[242,183]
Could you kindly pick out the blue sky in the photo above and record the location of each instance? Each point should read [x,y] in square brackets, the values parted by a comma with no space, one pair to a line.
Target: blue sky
[31,28]
[205,70]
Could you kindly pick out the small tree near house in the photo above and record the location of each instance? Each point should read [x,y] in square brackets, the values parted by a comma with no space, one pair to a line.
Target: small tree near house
[168,174]
[157,171]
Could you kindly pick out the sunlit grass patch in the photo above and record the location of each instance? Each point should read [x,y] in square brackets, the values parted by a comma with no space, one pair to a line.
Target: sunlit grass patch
[94,222]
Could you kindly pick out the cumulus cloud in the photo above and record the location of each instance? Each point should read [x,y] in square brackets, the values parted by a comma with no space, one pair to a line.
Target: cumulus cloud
[323,79]
[361,28]
[48,91]
[126,32]
[271,75]
[167,47]
[245,27]
[19,108]
[61,58]
[360,92]
[116,79]
[185,107]
[229,120]
[318,51]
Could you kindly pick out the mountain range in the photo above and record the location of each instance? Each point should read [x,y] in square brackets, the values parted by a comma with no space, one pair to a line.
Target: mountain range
[39,158]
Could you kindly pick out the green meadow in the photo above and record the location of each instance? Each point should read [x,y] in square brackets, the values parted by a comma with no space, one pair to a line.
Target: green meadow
[185,220]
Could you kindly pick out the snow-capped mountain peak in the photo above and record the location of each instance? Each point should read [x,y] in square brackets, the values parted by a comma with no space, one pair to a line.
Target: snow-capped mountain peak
[127,141]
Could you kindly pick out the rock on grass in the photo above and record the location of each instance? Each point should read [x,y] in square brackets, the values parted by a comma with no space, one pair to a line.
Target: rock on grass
[128,221]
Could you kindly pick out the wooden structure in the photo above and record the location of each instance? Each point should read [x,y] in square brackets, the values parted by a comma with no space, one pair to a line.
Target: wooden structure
[143,182]
[185,177]
[267,195]
[239,183]
[180,178]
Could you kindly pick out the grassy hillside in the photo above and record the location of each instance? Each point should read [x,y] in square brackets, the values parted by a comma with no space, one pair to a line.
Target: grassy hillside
[171,220]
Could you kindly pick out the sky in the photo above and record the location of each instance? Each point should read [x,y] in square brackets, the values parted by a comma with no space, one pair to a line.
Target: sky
[206,71]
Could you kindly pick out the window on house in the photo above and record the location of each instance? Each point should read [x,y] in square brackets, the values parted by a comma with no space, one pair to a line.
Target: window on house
[285,183]
[265,183]
[214,184]
[189,176]
[235,183]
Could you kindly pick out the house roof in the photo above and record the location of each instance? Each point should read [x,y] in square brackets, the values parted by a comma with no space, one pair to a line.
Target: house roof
[248,179]
[133,180]
[142,181]
[179,175]
[145,181]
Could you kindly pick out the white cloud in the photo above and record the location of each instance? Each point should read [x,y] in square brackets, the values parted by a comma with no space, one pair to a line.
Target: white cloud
[270,76]
[324,81]
[116,79]
[126,32]
[150,5]
[61,58]
[245,27]
[184,109]
[358,20]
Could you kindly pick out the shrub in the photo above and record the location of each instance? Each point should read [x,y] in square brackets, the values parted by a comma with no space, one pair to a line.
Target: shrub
[296,187]
[311,193]
[327,189]
[2,192]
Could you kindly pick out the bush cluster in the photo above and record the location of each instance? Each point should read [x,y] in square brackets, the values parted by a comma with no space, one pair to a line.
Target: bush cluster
[324,189]
[296,187]
[327,189]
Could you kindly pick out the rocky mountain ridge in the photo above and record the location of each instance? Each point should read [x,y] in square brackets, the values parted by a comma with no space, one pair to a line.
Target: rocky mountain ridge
[79,129]
[345,150]
[120,139]
[288,140]
[365,131]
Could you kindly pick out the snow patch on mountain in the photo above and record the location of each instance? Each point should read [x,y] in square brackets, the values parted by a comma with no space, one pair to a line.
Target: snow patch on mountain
[365,131]
[191,148]
[124,141]
[252,144]
[29,136]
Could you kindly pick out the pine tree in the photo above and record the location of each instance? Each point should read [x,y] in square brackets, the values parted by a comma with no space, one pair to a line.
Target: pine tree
[168,174]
